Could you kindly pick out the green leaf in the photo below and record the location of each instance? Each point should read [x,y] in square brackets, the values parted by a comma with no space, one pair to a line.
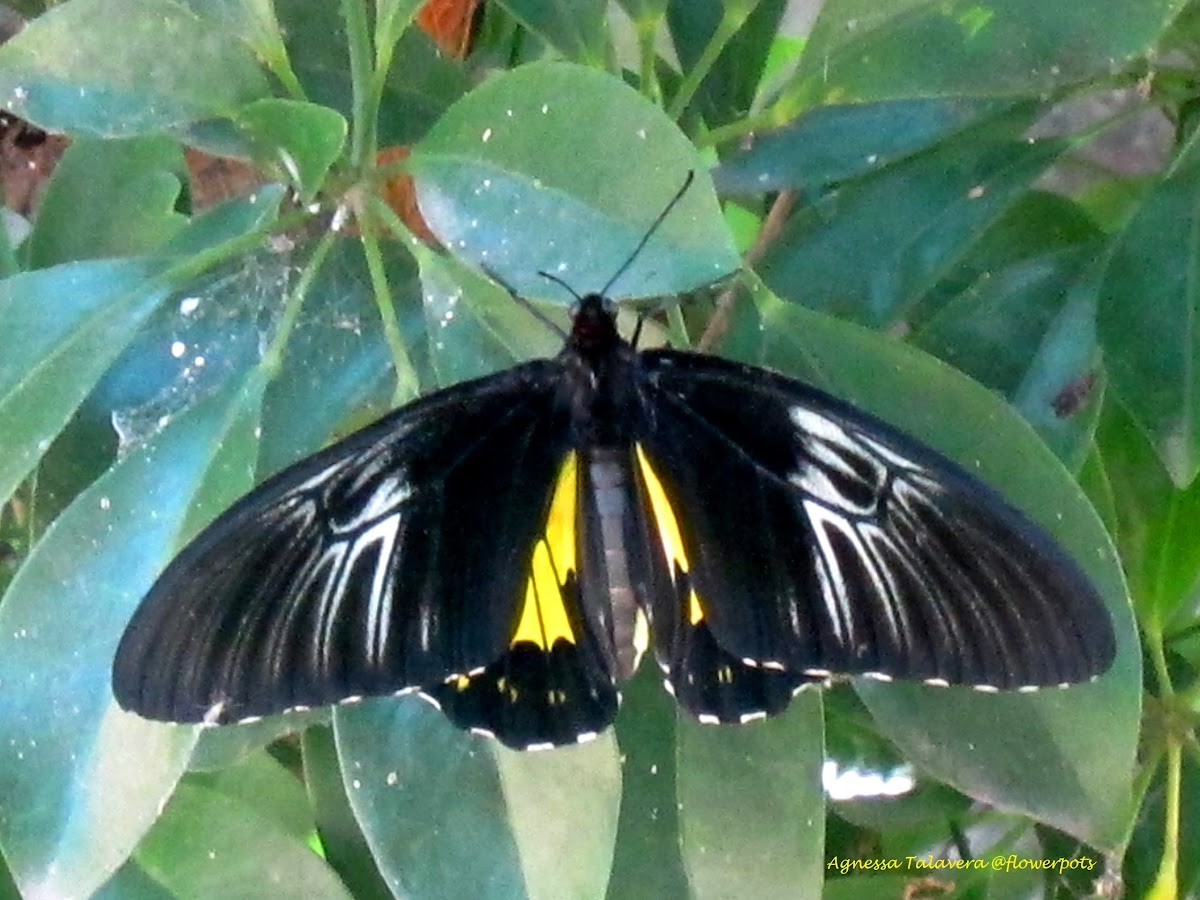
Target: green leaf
[992,330]
[1032,752]
[421,83]
[198,847]
[859,50]
[301,140]
[831,144]
[751,807]
[83,781]
[118,68]
[475,328]
[575,28]
[730,86]
[109,198]
[492,193]
[873,248]
[343,842]
[276,793]
[441,812]
[63,327]
[647,859]
[563,808]
[1149,319]
[251,21]
[1028,331]
[645,12]
[336,371]
[1156,522]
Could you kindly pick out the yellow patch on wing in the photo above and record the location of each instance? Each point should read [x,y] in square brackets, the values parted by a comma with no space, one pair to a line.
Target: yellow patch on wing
[668,531]
[544,616]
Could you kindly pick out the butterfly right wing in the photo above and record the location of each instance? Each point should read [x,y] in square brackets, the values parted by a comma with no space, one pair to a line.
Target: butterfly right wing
[819,540]
[392,560]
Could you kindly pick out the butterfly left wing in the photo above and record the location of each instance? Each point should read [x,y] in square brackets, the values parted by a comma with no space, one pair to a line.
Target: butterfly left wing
[393,560]
[819,540]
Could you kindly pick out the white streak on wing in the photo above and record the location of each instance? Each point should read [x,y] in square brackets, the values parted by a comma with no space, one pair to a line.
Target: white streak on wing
[818,426]
[884,580]
[889,456]
[331,594]
[319,479]
[830,575]
[828,448]
[369,465]
[383,533]
[424,625]
[379,608]
[389,494]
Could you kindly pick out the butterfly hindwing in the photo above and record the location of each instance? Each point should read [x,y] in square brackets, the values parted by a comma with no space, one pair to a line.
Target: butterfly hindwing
[555,683]
[823,541]
[389,561]
[705,678]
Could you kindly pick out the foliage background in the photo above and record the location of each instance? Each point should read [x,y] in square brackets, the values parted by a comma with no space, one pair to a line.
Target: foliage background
[924,238]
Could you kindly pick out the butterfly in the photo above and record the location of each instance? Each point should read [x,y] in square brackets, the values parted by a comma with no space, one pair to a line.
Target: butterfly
[511,547]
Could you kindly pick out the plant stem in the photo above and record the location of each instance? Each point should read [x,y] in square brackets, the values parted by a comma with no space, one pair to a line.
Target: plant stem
[358,37]
[1166,882]
[273,358]
[407,384]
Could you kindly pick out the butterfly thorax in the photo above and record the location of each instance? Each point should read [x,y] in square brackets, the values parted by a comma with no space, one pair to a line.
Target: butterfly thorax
[601,385]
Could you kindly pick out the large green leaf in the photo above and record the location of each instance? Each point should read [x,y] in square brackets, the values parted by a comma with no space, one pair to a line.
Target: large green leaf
[197,848]
[117,68]
[492,193]
[63,327]
[446,812]
[345,847]
[751,807]
[647,859]
[873,248]
[474,327]
[861,50]
[1032,752]
[82,780]
[1156,522]
[830,144]
[1150,316]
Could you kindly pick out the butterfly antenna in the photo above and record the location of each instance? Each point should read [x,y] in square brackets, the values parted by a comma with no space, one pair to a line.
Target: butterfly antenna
[550,277]
[687,183]
[525,304]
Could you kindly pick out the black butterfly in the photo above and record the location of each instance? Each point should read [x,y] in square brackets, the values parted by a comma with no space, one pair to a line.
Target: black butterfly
[510,547]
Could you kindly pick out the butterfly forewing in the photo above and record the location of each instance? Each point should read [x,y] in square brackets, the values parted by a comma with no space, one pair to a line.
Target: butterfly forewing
[392,560]
[823,541]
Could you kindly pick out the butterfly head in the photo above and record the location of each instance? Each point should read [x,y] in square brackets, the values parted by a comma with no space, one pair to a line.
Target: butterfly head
[594,325]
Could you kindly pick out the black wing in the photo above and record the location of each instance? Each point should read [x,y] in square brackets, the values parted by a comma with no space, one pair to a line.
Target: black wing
[393,560]
[823,541]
